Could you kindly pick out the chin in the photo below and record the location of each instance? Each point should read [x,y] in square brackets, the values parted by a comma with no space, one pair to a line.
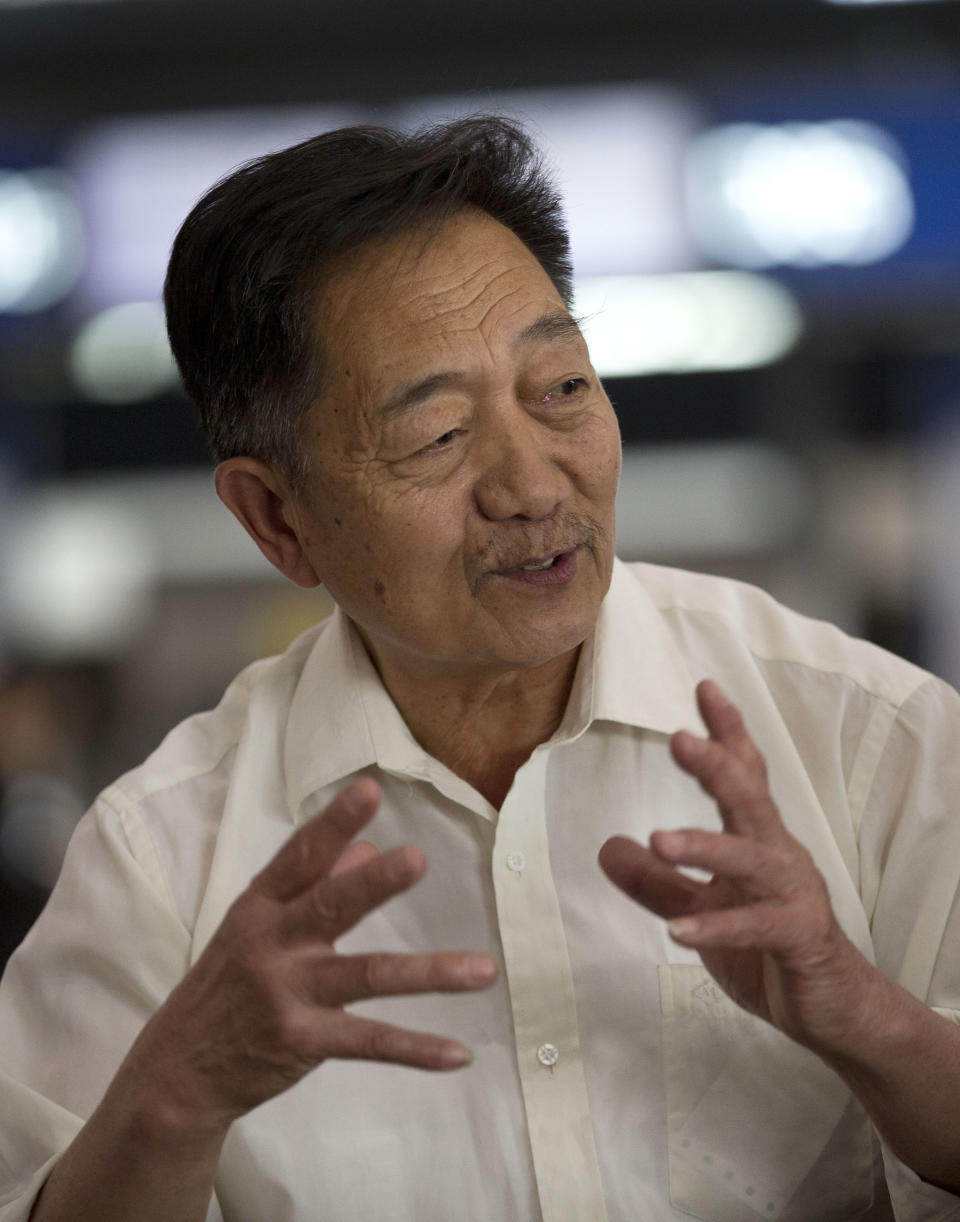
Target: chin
[542,648]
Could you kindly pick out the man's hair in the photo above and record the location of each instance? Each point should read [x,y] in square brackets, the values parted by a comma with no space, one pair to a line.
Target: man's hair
[247,266]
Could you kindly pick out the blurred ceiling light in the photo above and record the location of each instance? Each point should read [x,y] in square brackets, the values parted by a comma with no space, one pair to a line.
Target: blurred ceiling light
[122,355]
[616,153]
[41,240]
[138,177]
[687,322]
[798,193]
[78,578]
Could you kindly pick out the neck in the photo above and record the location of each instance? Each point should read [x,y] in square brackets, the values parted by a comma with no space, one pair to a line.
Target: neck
[481,724]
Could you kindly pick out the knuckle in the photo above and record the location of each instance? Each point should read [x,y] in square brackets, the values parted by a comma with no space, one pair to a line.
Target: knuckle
[299,852]
[784,865]
[293,1033]
[757,763]
[765,923]
[715,772]
[326,908]
[376,1044]
[374,974]
[245,934]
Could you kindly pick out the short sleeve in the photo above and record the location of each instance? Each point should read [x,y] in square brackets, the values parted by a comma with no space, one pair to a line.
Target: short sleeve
[910,858]
[104,954]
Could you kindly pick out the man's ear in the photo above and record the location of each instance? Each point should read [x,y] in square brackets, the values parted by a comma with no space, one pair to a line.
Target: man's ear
[264,505]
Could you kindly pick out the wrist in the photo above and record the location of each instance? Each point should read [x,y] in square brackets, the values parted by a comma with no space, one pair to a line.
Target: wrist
[882,1027]
[162,1111]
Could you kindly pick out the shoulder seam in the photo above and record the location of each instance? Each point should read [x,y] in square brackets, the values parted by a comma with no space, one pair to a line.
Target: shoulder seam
[914,677]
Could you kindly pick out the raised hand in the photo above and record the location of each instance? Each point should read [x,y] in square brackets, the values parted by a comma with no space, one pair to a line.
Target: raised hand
[264,1004]
[763,924]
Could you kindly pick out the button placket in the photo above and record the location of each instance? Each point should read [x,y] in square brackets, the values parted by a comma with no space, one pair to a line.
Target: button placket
[540,988]
[516,861]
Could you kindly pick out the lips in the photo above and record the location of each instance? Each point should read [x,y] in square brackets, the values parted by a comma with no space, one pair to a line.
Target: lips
[544,553]
[535,566]
[553,571]
[536,562]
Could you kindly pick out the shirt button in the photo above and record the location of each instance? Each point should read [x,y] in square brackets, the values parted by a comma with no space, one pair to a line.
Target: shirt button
[516,861]
[548,1054]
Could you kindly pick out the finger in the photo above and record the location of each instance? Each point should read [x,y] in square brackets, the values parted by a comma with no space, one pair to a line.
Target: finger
[760,868]
[338,980]
[358,853]
[740,790]
[350,1037]
[760,927]
[725,724]
[312,851]
[645,878]
[333,905]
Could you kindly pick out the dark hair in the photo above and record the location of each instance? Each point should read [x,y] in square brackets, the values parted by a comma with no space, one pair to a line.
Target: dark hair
[245,267]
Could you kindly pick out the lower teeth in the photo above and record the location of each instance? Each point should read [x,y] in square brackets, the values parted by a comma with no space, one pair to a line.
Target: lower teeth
[538,568]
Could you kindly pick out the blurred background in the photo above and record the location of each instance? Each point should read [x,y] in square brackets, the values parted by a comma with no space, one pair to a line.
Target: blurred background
[764,201]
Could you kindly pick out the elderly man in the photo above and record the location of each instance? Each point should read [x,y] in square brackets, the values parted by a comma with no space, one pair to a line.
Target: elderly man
[229,1005]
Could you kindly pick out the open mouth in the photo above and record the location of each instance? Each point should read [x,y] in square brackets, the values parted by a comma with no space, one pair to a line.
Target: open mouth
[554,570]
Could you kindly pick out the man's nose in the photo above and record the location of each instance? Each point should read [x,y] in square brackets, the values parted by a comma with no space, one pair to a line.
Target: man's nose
[520,474]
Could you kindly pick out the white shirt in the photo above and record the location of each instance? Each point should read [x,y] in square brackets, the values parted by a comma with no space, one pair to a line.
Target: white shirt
[612,1081]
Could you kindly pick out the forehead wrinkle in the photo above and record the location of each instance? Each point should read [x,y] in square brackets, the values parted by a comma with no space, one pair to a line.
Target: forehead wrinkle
[553,326]
[460,299]
[454,298]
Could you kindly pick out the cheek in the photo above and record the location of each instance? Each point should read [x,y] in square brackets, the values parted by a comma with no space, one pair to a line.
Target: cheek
[599,451]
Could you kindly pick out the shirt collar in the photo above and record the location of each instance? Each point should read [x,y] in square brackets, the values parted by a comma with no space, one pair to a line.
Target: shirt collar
[327,735]
[631,669]
[341,720]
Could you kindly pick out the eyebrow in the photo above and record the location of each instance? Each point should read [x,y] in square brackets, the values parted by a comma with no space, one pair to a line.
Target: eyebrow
[557,326]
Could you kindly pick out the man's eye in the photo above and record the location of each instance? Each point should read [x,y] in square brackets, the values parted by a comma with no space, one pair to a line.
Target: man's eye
[440,442]
[567,388]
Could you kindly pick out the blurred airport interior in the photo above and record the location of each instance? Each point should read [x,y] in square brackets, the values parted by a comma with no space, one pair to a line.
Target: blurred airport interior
[764,202]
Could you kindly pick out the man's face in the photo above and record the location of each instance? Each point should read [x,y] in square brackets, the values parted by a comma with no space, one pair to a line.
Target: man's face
[462,442]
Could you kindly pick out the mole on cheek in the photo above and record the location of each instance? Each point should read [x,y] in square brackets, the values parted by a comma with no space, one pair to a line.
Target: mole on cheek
[338,522]
[380,589]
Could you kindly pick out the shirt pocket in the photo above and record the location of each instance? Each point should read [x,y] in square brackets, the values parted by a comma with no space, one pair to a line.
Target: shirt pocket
[750,1115]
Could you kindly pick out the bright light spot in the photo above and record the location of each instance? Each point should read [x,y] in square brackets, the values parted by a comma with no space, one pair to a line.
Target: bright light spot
[799,193]
[615,153]
[138,178]
[122,355]
[78,578]
[41,240]
[685,323]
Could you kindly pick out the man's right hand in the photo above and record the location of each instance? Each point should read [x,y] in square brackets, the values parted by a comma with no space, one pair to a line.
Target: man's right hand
[264,1003]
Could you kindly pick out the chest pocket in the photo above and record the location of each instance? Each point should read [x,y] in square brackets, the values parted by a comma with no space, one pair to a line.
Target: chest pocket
[758,1127]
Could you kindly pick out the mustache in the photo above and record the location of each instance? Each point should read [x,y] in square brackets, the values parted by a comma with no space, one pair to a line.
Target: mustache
[519,543]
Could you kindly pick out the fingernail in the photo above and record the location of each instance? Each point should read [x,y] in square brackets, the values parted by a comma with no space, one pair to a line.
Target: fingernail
[478,970]
[683,927]
[455,1056]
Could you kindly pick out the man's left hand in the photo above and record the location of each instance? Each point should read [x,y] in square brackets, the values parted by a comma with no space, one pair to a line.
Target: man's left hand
[763,924]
